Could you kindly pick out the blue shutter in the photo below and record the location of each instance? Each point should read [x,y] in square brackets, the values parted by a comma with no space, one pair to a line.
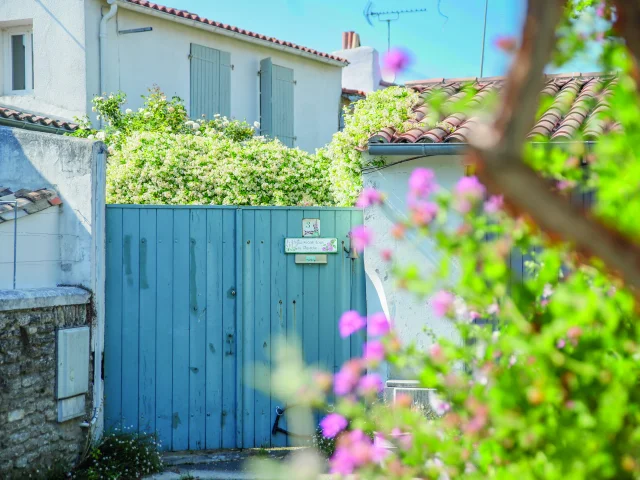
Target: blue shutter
[210,82]
[276,102]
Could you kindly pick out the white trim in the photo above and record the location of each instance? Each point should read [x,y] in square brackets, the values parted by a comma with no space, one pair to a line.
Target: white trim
[8,63]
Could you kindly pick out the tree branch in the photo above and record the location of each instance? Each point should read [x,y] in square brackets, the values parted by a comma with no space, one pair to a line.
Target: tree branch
[500,162]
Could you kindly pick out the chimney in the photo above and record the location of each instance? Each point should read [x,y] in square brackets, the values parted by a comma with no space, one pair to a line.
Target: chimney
[350,40]
[363,71]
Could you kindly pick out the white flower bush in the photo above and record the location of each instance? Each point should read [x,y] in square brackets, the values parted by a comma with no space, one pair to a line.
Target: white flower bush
[391,107]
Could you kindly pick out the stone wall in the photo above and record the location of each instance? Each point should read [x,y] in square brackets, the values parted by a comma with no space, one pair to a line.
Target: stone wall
[30,435]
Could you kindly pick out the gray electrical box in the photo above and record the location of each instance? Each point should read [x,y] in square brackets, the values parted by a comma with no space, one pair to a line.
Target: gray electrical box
[73,362]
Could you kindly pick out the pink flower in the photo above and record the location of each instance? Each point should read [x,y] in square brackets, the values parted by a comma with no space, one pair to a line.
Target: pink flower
[506,43]
[369,196]
[442,303]
[341,462]
[439,406]
[374,351]
[378,325]
[493,309]
[347,378]
[422,182]
[404,439]
[350,322]
[468,192]
[333,424]
[600,11]
[386,254]
[397,231]
[361,237]
[436,352]
[397,60]
[494,204]
[423,213]
[561,343]
[370,384]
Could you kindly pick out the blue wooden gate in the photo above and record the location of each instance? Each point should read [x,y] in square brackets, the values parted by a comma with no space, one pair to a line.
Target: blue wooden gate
[196,297]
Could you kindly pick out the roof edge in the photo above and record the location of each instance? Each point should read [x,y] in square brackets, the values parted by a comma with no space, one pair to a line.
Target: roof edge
[295,49]
[546,76]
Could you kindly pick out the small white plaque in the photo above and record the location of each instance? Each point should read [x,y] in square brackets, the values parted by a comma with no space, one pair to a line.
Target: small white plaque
[310,245]
[310,227]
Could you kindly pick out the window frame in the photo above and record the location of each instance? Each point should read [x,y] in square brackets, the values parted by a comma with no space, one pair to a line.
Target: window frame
[28,61]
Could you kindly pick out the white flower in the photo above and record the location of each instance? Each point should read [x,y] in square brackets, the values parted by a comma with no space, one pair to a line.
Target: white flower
[94,109]
[256,125]
[111,150]
[98,117]
[437,404]
[100,136]
[140,110]
[91,137]
[128,111]
[147,114]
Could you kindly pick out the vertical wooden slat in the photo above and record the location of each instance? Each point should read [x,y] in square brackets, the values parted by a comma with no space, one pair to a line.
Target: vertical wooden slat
[262,318]
[214,330]
[248,326]
[230,408]
[358,290]
[113,321]
[295,305]
[310,312]
[266,97]
[197,327]
[131,318]
[343,281]
[164,331]
[225,84]
[278,306]
[282,105]
[180,414]
[148,276]
[327,319]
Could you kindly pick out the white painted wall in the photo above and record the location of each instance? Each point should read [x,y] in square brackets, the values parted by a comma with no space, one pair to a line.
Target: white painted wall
[411,315]
[59,56]
[38,250]
[363,72]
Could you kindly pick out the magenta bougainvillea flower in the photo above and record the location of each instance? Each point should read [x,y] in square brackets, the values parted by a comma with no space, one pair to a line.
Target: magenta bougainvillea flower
[494,204]
[374,351]
[506,43]
[333,424]
[468,192]
[368,197]
[354,450]
[350,322]
[361,237]
[386,254]
[347,378]
[370,384]
[422,182]
[397,60]
[378,325]
[423,213]
[442,303]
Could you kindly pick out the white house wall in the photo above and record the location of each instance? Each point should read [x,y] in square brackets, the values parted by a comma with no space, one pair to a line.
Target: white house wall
[38,251]
[411,315]
[59,56]
[139,61]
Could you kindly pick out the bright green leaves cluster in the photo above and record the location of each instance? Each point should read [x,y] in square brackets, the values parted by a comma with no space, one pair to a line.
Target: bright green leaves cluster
[391,107]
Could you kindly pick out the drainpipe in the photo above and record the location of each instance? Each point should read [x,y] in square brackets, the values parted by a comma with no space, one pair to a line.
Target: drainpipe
[103,46]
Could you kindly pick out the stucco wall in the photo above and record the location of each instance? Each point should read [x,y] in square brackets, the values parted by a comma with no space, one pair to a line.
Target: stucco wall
[161,57]
[411,315]
[59,55]
[363,72]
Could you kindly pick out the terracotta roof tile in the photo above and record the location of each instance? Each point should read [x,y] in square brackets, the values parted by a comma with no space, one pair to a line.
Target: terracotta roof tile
[193,16]
[576,107]
[29,202]
[12,114]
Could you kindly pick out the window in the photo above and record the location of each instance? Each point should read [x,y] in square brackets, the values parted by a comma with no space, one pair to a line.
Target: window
[276,102]
[210,82]
[19,77]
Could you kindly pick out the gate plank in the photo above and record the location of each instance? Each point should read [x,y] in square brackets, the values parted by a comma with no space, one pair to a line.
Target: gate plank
[214,330]
[327,291]
[343,283]
[310,325]
[248,330]
[164,339]
[147,375]
[278,306]
[230,408]
[263,340]
[197,327]
[180,413]
[358,290]
[113,321]
[131,318]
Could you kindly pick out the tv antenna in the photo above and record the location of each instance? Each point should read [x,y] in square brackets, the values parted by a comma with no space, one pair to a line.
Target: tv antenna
[388,16]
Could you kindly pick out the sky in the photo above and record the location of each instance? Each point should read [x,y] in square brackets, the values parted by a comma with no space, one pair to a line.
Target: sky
[446,40]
